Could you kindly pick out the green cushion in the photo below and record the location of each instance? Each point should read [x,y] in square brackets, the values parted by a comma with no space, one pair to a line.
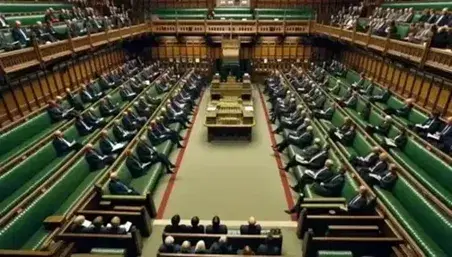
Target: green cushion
[7,7]
[25,20]
[334,254]
[402,30]
[232,10]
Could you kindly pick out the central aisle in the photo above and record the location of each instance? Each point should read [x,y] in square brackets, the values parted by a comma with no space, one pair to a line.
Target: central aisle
[232,179]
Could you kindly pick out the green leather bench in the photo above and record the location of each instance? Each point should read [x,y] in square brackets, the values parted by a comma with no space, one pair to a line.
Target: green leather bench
[402,31]
[25,20]
[149,181]
[236,13]
[228,16]
[12,7]
[181,14]
[334,254]
[418,5]
[289,14]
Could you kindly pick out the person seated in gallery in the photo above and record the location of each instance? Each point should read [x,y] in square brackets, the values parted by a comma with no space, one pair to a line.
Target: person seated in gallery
[216,227]
[106,81]
[378,168]
[97,226]
[175,226]
[381,129]
[245,251]
[366,161]
[383,97]
[74,100]
[62,145]
[385,179]
[107,108]
[317,102]
[82,126]
[86,95]
[136,86]
[169,246]
[300,129]
[41,35]
[331,187]
[108,145]
[170,116]
[431,125]
[58,113]
[306,153]
[156,137]
[345,96]
[315,161]
[195,228]
[311,176]
[298,123]
[200,248]
[182,97]
[443,138]
[80,225]
[115,226]
[367,90]
[403,111]
[252,228]
[399,141]
[350,102]
[345,130]
[121,134]
[153,100]
[283,109]
[362,203]
[221,246]
[93,90]
[149,154]
[126,93]
[97,160]
[92,119]
[162,87]
[136,167]
[143,111]
[20,35]
[185,247]
[117,187]
[335,90]
[268,247]
[301,141]
[131,120]
[360,83]
[326,113]
[279,92]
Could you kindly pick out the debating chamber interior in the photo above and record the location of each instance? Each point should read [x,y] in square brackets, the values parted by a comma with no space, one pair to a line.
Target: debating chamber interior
[189,128]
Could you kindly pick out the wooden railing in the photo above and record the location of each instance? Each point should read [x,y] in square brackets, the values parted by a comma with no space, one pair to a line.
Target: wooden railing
[39,54]
[420,54]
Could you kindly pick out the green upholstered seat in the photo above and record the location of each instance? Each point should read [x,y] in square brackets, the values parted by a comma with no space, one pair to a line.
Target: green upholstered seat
[402,30]
[289,14]
[334,254]
[419,5]
[181,14]
[24,7]
[25,20]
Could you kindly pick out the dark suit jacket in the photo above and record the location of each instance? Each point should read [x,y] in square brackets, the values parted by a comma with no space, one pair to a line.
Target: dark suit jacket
[442,20]
[145,153]
[75,101]
[106,110]
[118,230]
[323,174]
[82,129]
[331,186]
[86,96]
[318,161]
[56,113]
[60,146]
[19,36]
[129,123]
[175,229]
[310,151]
[303,140]
[105,146]
[250,230]
[434,124]
[221,229]
[135,167]
[357,203]
[379,168]
[93,159]
[404,111]
[118,188]
[387,181]
[195,230]
[383,128]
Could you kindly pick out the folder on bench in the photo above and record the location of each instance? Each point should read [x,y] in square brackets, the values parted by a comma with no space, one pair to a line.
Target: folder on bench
[390,142]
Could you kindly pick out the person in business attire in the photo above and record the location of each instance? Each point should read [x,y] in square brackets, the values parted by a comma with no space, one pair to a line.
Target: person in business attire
[381,129]
[136,167]
[86,96]
[367,90]
[107,108]
[117,187]
[380,98]
[301,141]
[246,251]
[185,247]
[221,247]
[82,126]
[216,227]
[156,137]
[195,228]
[149,154]
[74,100]
[3,23]
[378,168]
[398,141]
[403,111]
[311,176]
[331,187]
[430,125]
[126,93]
[443,138]
[97,160]
[59,113]
[317,161]
[77,225]
[362,203]
[169,246]
[443,19]
[326,113]
[62,145]
[121,134]
[283,109]
[252,228]
[338,133]
[93,90]
[171,115]
[116,227]
[291,123]
[20,35]
[305,154]
[175,226]
[268,247]
[92,120]
[108,145]
[389,178]
[368,160]
[376,178]
[42,35]
[97,226]
[200,248]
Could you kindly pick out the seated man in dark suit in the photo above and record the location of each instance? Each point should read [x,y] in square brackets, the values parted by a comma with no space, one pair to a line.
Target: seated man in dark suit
[135,118]
[316,161]
[251,229]
[126,93]
[360,83]
[74,100]
[86,96]
[345,133]
[117,187]
[216,227]
[443,138]
[174,116]
[381,98]
[195,228]
[135,86]
[318,102]
[306,154]
[302,128]
[311,176]
[351,101]
[378,168]
[108,145]
[82,126]
[296,124]
[367,90]
[163,130]
[301,141]
[135,166]
[63,146]
[107,108]
[221,247]
[175,226]
[98,226]
[398,141]
[91,118]
[383,128]
[93,90]
[161,87]
[115,226]
[58,112]
[42,35]
[362,203]
[130,121]
[148,153]
[431,125]
[268,247]
[156,137]
[386,178]
[367,161]
[20,35]
[283,109]
[403,111]
[97,160]
[331,187]
[143,110]
[326,113]
[121,134]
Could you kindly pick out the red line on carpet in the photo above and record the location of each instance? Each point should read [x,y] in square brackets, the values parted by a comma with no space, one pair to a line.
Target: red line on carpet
[180,156]
[282,173]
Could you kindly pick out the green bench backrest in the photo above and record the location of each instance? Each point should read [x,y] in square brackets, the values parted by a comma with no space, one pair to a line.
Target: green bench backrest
[232,10]
[402,31]
[375,118]
[361,145]
[181,11]
[21,173]
[350,187]
[25,20]
[417,116]
[337,119]
[419,5]
[435,167]
[436,225]
[6,7]
[416,17]
[351,76]
[17,136]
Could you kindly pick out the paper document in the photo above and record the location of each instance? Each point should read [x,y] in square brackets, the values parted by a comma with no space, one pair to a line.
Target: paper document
[118,146]
[127,226]
[339,135]
[434,136]
[310,173]
[249,108]
[211,108]
[299,158]
[390,142]
[86,223]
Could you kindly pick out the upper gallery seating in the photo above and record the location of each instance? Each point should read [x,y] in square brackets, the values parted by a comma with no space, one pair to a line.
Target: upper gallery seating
[182,14]
[234,13]
[281,14]
[426,221]
[419,23]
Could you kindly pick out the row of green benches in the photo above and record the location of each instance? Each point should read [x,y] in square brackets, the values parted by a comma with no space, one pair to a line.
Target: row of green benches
[27,7]
[419,6]
[422,220]
[238,13]
[26,230]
